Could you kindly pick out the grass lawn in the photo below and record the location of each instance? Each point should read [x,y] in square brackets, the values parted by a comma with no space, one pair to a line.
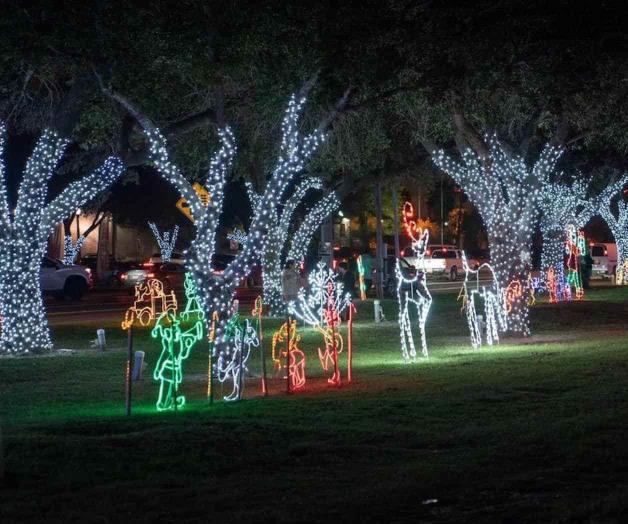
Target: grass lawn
[531,430]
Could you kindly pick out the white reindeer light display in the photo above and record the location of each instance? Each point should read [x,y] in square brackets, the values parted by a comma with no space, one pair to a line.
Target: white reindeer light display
[412,289]
[495,315]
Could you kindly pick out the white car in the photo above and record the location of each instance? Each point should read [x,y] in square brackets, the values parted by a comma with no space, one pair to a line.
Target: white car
[155,260]
[604,259]
[445,260]
[64,281]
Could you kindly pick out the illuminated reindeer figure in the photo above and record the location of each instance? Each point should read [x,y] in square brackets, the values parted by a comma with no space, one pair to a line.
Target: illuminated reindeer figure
[412,290]
[495,314]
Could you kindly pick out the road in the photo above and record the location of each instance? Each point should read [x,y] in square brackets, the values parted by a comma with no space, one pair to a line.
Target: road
[110,305]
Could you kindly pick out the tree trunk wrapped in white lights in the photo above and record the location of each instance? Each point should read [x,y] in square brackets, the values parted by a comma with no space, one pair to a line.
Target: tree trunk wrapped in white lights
[611,206]
[23,236]
[280,240]
[216,291]
[506,193]
[561,205]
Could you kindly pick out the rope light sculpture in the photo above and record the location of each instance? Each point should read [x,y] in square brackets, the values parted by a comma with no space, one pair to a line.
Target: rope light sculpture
[322,308]
[176,346]
[506,193]
[575,246]
[71,250]
[165,241]
[24,231]
[491,295]
[151,301]
[361,282]
[240,338]
[412,290]
[296,365]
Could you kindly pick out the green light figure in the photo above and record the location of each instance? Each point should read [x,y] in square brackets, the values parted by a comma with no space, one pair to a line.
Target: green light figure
[176,346]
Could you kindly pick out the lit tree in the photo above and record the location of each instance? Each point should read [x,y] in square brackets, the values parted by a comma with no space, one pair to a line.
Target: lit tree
[71,250]
[506,193]
[561,205]
[24,233]
[313,220]
[166,240]
[281,241]
[612,207]
[216,291]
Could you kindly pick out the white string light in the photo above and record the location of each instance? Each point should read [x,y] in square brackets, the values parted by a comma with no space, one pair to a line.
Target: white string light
[165,241]
[612,207]
[71,250]
[24,234]
[215,290]
[507,194]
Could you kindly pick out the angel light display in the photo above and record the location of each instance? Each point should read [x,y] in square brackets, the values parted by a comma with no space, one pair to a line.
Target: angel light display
[150,301]
[412,289]
[322,308]
[238,340]
[491,296]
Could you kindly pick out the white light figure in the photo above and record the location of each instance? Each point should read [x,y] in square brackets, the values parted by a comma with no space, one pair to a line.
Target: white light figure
[495,316]
[322,308]
[24,231]
[412,292]
[612,207]
[165,241]
[234,355]
[71,250]
[507,194]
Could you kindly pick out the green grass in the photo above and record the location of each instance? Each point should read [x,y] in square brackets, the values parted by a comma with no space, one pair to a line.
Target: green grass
[531,430]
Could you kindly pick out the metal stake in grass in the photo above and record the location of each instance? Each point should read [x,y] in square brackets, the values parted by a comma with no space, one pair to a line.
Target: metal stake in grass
[257,312]
[129,370]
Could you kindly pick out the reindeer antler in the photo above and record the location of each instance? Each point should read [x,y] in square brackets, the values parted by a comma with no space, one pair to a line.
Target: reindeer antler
[409,222]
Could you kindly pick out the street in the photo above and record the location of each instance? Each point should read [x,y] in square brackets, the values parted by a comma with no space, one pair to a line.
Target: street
[107,305]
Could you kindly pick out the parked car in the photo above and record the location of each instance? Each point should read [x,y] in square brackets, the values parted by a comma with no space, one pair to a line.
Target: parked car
[175,258]
[444,260]
[172,275]
[604,259]
[64,281]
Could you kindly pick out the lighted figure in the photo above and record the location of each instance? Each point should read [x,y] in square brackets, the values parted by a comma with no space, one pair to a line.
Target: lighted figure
[176,346]
[256,313]
[296,368]
[574,248]
[71,250]
[193,306]
[412,291]
[491,295]
[232,359]
[558,288]
[166,241]
[150,301]
[322,309]
[361,282]
[514,292]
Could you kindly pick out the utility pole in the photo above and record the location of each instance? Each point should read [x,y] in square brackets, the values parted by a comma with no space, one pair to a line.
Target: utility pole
[396,221]
[442,222]
[379,263]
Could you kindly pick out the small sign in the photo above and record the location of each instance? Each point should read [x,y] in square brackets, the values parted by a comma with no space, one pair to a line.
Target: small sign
[203,195]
